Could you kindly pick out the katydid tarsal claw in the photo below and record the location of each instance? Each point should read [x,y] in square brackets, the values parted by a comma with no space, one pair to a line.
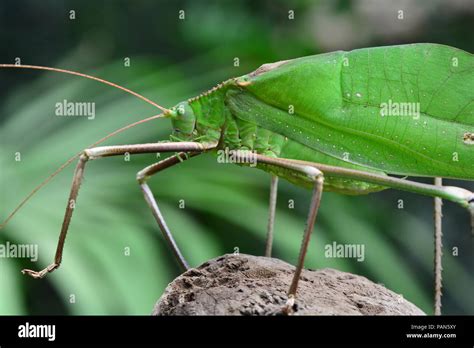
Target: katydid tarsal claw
[342,121]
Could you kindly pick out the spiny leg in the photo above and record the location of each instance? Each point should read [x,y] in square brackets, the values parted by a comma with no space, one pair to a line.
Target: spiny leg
[458,195]
[438,252]
[316,176]
[142,178]
[271,215]
[98,152]
[455,194]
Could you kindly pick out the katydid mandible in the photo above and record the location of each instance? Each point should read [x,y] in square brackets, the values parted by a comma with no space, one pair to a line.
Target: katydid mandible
[341,121]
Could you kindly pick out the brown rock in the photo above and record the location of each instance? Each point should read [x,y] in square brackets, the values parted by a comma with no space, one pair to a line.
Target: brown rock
[252,285]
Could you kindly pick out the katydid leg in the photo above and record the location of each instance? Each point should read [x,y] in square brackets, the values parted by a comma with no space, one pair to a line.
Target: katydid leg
[458,195]
[438,252]
[99,152]
[316,176]
[142,178]
[71,202]
[271,215]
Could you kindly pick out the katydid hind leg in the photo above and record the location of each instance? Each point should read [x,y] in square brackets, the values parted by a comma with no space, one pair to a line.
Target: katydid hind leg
[458,195]
[100,152]
[142,177]
[271,215]
[438,190]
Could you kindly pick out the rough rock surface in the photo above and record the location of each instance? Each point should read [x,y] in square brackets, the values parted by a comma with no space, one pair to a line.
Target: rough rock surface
[251,285]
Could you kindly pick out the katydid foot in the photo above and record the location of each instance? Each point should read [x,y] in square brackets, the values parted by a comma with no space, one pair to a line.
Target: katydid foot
[42,273]
[290,306]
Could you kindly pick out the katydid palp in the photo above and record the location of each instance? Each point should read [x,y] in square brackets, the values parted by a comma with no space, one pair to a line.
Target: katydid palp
[344,121]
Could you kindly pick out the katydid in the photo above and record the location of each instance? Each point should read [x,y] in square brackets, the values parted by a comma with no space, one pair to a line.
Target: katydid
[342,121]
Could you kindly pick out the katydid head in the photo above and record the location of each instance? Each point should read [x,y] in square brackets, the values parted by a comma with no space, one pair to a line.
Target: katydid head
[183,121]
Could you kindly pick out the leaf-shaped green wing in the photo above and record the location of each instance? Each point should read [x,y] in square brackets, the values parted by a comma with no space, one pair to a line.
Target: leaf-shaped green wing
[405,109]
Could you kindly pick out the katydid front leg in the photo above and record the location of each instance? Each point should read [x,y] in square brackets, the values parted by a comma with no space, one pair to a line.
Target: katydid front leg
[99,152]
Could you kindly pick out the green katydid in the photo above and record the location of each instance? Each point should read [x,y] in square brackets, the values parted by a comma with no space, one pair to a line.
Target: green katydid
[342,121]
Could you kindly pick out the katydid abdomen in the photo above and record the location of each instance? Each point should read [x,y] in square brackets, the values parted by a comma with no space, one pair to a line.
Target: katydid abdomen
[405,110]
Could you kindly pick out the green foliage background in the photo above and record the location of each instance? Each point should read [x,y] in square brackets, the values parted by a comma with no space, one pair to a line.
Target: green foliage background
[226,206]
